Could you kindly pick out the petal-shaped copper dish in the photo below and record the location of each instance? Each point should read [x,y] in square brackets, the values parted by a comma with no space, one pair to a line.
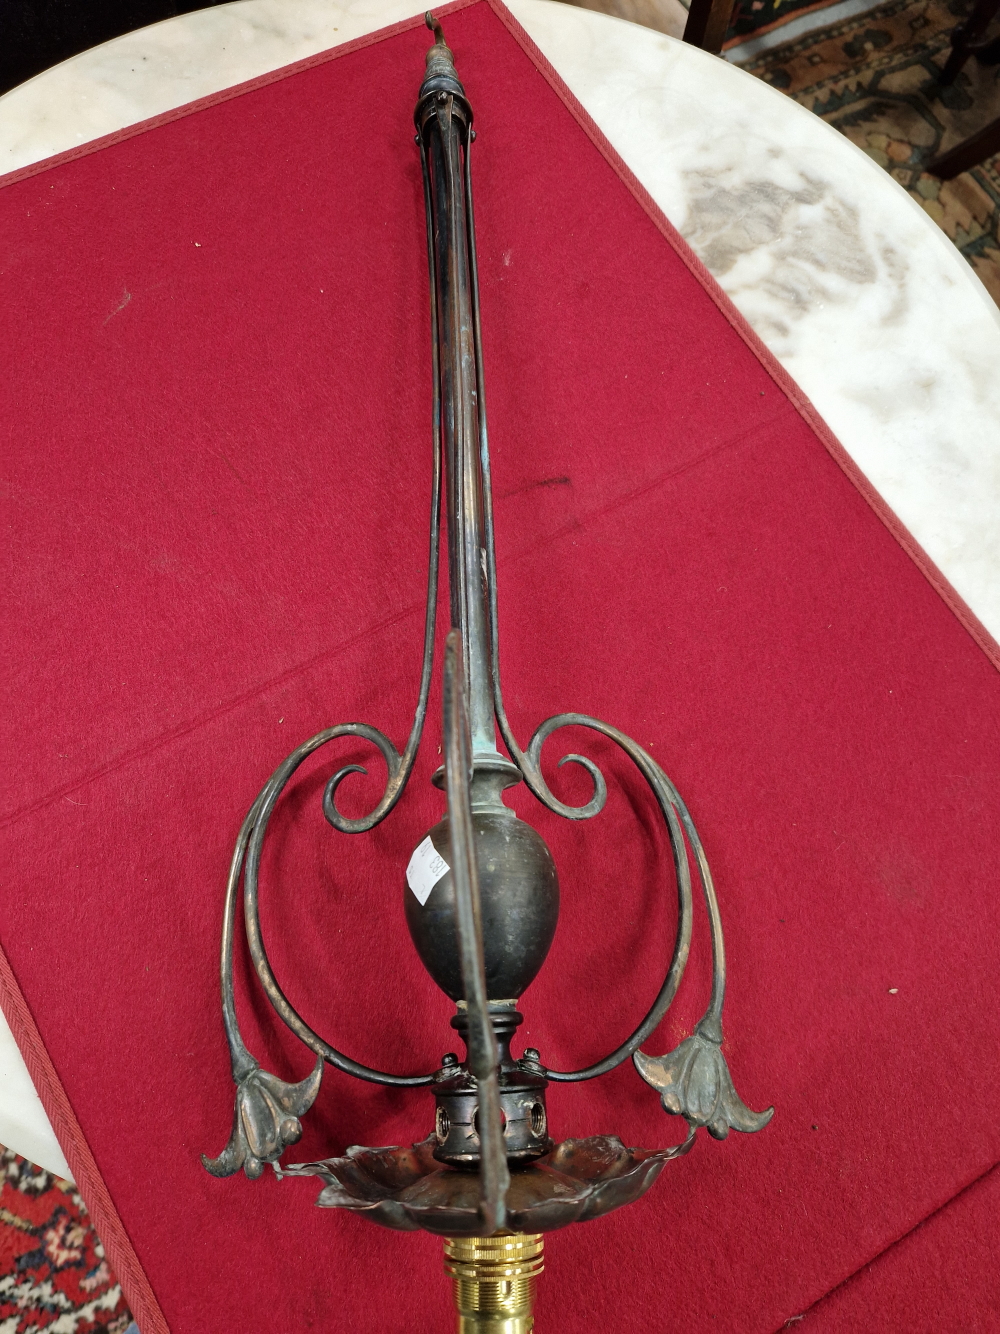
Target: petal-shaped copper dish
[407,1188]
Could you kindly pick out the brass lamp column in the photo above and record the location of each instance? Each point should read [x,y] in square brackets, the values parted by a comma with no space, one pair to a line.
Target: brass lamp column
[494,1280]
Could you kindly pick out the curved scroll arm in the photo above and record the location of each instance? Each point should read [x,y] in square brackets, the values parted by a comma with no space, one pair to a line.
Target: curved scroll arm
[260,815]
[260,1132]
[400,766]
[527,763]
[267,1109]
[724,1110]
[664,792]
[694,1080]
[482,1045]
[265,1119]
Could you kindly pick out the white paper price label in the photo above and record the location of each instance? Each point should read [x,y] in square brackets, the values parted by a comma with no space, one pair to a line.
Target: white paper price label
[426,868]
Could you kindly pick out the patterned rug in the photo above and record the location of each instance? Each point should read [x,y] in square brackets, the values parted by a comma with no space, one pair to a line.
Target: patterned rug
[752,18]
[874,78]
[53,1274]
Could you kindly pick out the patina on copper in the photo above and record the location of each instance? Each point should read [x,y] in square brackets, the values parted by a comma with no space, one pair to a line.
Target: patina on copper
[490,1166]
[408,1189]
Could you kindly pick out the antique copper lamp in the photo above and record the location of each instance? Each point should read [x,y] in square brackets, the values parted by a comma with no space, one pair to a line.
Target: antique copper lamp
[483,894]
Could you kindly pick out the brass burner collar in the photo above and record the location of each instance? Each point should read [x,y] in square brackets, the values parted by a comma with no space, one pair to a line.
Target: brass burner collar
[494,1281]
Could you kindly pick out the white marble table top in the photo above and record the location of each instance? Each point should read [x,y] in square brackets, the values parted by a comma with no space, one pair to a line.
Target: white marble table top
[855,290]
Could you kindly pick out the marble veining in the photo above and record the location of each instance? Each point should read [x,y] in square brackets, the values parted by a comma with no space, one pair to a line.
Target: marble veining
[803,265]
[857,293]
[860,297]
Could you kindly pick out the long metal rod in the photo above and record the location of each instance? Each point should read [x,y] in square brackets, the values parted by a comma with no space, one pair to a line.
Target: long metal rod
[482,1045]
[444,124]
[267,1109]
[471,513]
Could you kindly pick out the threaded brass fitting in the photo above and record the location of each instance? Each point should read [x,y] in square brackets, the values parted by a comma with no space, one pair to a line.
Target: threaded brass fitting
[494,1280]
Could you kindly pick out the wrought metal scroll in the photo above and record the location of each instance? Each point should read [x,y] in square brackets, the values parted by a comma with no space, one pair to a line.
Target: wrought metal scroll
[702,1066]
[265,1120]
[693,1080]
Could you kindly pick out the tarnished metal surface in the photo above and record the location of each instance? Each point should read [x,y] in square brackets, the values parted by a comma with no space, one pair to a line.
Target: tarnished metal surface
[694,1079]
[483,1056]
[407,1188]
[694,1082]
[484,925]
[265,1122]
[521,1087]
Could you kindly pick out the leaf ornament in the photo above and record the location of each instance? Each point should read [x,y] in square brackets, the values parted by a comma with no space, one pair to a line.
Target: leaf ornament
[406,1188]
[694,1082]
[265,1121]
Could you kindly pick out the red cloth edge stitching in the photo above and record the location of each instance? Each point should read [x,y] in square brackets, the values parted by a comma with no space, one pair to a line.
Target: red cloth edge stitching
[203,719]
[959,607]
[110,1228]
[224,95]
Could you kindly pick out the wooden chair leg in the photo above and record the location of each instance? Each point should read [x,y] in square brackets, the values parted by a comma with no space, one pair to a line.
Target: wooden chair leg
[708,21]
[969,153]
[964,37]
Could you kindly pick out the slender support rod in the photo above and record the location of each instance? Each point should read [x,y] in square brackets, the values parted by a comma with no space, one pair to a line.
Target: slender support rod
[444,131]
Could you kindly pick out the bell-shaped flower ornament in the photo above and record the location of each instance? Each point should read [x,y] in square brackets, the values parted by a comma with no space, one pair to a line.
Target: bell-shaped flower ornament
[483,897]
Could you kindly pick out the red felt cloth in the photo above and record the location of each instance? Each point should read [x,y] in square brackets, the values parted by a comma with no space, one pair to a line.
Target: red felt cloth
[217,466]
[941,1278]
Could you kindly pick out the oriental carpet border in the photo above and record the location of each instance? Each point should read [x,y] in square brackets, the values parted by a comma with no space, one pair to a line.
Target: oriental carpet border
[754,18]
[750,18]
[874,77]
[93,1189]
[54,1272]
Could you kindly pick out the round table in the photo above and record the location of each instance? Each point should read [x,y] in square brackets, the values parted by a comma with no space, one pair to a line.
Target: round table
[849,283]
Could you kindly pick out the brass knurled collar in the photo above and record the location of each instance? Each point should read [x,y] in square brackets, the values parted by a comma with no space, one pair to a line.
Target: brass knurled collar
[494,1281]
